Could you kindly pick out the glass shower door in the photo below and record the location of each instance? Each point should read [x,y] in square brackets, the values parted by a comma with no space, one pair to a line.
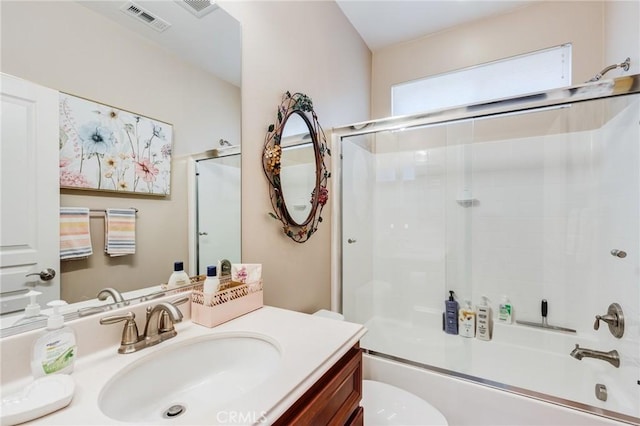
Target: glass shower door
[218,206]
[538,204]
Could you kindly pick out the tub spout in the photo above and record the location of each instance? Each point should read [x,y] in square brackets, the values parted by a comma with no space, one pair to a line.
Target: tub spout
[611,357]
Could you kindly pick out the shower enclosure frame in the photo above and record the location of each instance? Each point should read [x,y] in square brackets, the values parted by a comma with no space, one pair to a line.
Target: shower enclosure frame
[601,89]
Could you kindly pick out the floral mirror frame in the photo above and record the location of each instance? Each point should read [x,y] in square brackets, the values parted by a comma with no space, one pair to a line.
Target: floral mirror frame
[301,105]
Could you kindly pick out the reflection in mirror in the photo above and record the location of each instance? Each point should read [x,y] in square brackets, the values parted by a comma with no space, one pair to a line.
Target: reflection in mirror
[218,210]
[297,174]
[202,102]
[298,180]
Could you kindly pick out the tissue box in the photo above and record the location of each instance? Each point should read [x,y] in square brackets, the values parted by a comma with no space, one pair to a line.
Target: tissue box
[225,305]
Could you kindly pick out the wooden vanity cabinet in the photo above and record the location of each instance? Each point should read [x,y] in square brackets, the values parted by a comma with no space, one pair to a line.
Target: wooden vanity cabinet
[332,400]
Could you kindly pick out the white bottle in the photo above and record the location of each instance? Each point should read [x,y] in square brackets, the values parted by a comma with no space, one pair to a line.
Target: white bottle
[467,320]
[55,351]
[179,277]
[485,320]
[505,311]
[210,285]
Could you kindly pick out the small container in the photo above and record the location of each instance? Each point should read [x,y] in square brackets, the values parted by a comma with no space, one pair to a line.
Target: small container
[467,320]
[179,277]
[55,351]
[484,329]
[210,285]
[505,311]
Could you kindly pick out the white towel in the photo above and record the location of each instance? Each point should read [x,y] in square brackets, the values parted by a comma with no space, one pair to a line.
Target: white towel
[120,232]
[75,234]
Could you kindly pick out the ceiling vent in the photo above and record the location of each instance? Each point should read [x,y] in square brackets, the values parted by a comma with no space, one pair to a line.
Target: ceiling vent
[143,15]
[198,7]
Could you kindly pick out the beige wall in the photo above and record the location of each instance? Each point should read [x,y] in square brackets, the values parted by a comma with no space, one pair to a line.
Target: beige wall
[68,47]
[308,47]
[297,46]
[538,26]
[622,35]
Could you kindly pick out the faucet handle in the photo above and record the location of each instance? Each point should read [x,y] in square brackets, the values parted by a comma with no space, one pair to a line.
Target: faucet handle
[596,325]
[165,320]
[129,333]
[614,318]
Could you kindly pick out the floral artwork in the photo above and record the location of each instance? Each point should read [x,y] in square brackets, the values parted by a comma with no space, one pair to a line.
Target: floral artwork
[108,149]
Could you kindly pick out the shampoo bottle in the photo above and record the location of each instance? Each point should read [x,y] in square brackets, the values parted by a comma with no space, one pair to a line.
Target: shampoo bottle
[467,320]
[505,312]
[179,277]
[485,320]
[210,285]
[55,351]
[451,315]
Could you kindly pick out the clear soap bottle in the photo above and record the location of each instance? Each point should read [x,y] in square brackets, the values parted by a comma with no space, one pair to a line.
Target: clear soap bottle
[55,351]
[32,311]
[505,311]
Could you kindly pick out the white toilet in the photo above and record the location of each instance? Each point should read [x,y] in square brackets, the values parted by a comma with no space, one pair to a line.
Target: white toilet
[388,405]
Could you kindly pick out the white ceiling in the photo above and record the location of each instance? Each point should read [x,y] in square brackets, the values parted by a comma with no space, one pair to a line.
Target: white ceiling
[382,23]
[212,42]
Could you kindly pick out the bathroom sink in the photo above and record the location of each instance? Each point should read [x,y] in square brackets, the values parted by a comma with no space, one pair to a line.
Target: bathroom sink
[188,380]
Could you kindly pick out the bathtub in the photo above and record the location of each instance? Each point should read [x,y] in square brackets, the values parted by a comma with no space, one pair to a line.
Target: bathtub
[523,376]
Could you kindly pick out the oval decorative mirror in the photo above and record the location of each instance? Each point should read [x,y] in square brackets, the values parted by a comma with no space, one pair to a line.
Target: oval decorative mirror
[293,163]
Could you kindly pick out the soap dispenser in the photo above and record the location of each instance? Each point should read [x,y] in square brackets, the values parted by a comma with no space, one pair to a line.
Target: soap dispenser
[32,311]
[484,320]
[467,320]
[505,311]
[55,350]
[451,315]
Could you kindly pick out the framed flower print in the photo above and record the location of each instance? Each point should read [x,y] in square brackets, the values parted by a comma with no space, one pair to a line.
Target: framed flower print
[108,149]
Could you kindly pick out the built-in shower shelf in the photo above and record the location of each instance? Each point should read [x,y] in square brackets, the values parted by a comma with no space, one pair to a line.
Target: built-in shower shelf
[466,202]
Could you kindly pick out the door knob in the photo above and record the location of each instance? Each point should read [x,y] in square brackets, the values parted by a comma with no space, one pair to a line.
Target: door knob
[351,240]
[45,275]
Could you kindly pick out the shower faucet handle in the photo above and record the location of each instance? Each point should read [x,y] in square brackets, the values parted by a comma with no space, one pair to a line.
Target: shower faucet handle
[614,318]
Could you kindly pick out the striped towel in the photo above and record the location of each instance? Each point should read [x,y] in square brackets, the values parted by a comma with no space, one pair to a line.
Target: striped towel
[75,236]
[120,232]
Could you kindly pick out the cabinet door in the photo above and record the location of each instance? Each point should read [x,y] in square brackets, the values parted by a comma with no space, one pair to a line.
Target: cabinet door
[29,192]
[334,399]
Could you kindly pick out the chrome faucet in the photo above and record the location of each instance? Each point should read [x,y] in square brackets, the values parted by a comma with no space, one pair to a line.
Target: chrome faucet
[611,357]
[159,326]
[115,294]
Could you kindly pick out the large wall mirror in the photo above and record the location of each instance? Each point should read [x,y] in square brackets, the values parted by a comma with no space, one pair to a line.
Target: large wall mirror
[293,162]
[188,75]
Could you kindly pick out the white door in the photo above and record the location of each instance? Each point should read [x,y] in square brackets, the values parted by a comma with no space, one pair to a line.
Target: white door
[29,192]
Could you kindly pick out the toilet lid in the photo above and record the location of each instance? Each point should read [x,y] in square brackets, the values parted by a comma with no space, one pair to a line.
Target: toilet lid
[388,405]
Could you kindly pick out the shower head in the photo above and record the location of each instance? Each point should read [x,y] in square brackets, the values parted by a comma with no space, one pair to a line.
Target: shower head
[624,65]
[224,142]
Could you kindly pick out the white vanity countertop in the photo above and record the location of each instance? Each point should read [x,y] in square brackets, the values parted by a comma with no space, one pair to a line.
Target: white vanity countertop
[309,346]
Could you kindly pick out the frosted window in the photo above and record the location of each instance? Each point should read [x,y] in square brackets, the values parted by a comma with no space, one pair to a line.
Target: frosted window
[519,75]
